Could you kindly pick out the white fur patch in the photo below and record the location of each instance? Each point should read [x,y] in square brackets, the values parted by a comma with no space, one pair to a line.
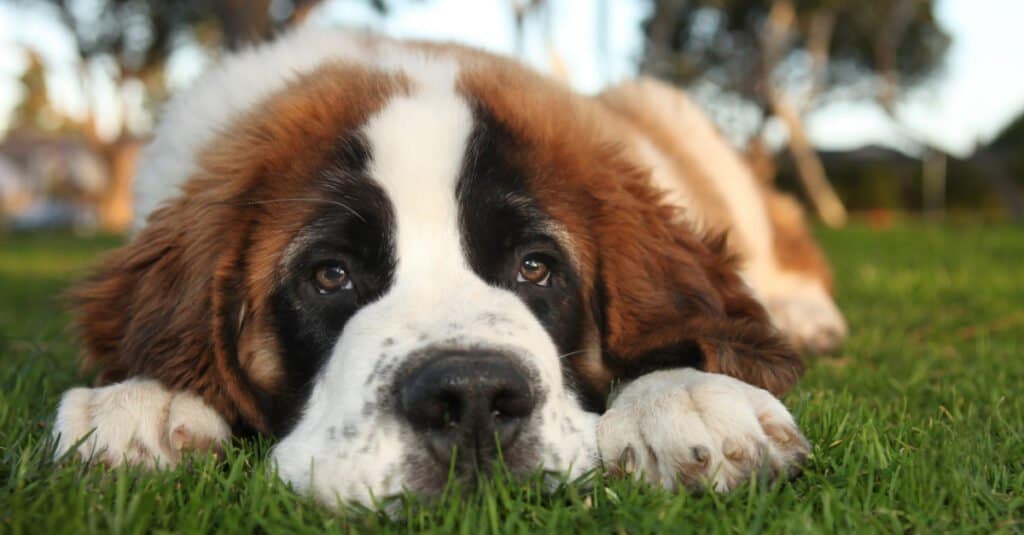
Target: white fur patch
[137,421]
[698,430]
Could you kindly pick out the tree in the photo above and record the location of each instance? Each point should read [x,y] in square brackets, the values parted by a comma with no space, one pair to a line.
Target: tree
[137,37]
[35,111]
[140,35]
[784,57]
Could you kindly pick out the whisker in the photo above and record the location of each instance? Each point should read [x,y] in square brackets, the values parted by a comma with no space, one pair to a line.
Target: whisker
[310,200]
[571,353]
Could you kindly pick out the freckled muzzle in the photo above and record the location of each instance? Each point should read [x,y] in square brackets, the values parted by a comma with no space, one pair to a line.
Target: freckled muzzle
[467,406]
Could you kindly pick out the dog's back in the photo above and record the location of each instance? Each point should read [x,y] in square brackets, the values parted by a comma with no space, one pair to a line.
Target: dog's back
[707,178]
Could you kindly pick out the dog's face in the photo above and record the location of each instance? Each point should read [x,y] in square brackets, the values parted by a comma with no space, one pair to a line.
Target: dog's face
[402,272]
[431,299]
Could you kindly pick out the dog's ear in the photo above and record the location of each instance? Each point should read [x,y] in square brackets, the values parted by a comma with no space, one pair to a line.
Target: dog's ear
[668,296]
[168,304]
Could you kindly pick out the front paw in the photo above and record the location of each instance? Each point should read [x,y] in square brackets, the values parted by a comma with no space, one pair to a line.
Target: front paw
[699,430]
[137,421]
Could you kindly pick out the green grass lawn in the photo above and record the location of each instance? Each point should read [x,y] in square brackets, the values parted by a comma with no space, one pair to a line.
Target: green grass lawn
[917,426]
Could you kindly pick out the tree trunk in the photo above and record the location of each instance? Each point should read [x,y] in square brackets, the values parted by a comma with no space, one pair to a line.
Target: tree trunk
[993,166]
[775,42]
[660,29]
[243,22]
[808,165]
[761,160]
[302,11]
[933,183]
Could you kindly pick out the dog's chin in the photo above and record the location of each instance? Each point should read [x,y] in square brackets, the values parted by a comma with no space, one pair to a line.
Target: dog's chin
[550,460]
[430,481]
[429,475]
[401,464]
[427,481]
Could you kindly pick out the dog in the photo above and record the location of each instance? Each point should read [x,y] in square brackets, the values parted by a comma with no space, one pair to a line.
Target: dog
[403,260]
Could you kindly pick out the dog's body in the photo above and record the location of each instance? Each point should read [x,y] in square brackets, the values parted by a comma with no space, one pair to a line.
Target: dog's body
[399,258]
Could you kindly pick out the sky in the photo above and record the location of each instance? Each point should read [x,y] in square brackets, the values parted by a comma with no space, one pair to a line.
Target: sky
[979,91]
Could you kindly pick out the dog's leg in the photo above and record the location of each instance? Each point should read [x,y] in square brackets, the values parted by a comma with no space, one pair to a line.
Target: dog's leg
[136,421]
[699,430]
[808,318]
[796,297]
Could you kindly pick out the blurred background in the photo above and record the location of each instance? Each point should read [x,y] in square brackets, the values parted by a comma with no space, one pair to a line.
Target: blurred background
[873,109]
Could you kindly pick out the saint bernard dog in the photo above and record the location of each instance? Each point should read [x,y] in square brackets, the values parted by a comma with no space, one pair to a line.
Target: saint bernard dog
[402,260]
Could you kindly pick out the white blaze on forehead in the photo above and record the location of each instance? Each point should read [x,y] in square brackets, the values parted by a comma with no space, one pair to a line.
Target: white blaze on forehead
[418,143]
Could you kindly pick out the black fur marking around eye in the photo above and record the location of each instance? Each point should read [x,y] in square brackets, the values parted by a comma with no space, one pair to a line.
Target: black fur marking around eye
[502,222]
[359,235]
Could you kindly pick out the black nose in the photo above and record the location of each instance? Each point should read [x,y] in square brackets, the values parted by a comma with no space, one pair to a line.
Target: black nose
[467,404]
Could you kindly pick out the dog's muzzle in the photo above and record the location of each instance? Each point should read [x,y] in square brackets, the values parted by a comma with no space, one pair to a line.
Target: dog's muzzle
[467,406]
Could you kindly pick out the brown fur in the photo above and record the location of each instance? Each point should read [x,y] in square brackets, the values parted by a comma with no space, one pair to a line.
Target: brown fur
[665,285]
[645,106]
[792,242]
[627,101]
[794,247]
[167,305]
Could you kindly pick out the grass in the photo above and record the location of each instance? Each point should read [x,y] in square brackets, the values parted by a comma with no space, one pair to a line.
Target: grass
[917,426]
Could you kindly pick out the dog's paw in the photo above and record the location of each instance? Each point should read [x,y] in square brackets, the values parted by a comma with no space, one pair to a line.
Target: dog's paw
[810,323]
[698,430]
[137,421]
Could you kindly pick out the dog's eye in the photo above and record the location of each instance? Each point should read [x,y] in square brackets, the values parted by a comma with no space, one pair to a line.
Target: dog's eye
[534,270]
[330,278]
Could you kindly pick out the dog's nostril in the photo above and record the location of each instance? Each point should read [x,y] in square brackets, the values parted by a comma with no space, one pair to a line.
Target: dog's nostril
[438,412]
[511,404]
[467,402]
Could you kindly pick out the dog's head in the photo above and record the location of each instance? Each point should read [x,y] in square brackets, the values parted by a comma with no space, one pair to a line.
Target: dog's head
[399,270]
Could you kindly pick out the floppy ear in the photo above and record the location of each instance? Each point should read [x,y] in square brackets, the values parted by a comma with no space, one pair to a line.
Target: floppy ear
[167,305]
[669,297]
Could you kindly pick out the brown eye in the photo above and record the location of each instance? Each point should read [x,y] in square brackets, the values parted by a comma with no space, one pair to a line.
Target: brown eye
[330,278]
[534,270]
